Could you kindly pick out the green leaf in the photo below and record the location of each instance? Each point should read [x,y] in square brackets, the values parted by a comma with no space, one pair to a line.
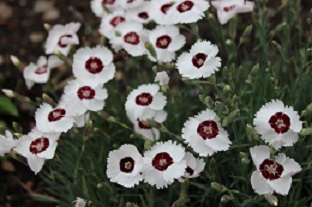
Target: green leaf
[7,107]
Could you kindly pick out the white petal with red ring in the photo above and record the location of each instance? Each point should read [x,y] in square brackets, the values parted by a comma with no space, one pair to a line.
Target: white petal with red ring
[140,14]
[79,97]
[97,6]
[141,126]
[163,163]
[194,166]
[110,22]
[140,101]
[290,166]
[7,143]
[160,11]
[227,9]
[204,133]
[130,4]
[37,146]
[124,166]
[94,65]
[165,40]
[201,61]
[61,37]
[188,11]
[259,184]
[130,38]
[53,120]
[259,154]
[277,124]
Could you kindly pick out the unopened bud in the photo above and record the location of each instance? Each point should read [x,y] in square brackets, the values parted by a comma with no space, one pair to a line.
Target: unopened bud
[306,131]
[9,93]
[151,49]
[273,201]
[245,160]
[100,185]
[218,187]
[46,98]
[226,89]
[230,118]
[207,101]
[225,199]
[221,107]
[251,132]
[87,130]
[15,61]
[254,70]
[47,26]
[117,33]
[147,144]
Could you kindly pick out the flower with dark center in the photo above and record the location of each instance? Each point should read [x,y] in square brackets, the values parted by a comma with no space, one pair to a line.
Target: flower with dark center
[185,6]
[143,15]
[164,8]
[63,41]
[208,129]
[86,92]
[162,161]
[144,99]
[163,41]
[280,122]
[39,145]
[199,59]
[56,114]
[126,164]
[144,125]
[107,2]
[229,8]
[132,38]
[272,174]
[41,70]
[94,65]
[117,20]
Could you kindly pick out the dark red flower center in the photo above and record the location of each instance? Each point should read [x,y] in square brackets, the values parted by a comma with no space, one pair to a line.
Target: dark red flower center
[208,129]
[185,6]
[56,115]
[132,38]
[117,20]
[144,99]
[280,122]
[199,59]
[86,92]
[41,70]
[144,125]
[63,41]
[143,15]
[271,170]
[130,1]
[164,8]
[163,41]
[39,145]
[105,2]
[229,8]
[94,65]
[189,170]
[162,161]
[126,165]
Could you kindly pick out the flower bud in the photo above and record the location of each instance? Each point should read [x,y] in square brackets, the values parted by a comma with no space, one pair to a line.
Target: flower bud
[230,118]
[147,144]
[151,49]
[9,93]
[221,107]
[271,199]
[218,187]
[306,131]
[251,132]
[46,98]
[225,199]
[15,61]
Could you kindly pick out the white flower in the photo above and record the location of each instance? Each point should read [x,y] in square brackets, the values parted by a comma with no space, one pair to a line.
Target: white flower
[110,22]
[80,202]
[40,72]
[94,65]
[53,120]
[164,163]
[272,175]
[97,6]
[204,133]
[130,4]
[201,61]
[187,11]
[227,9]
[165,40]
[130,38]
[80,121]
[61,37]
[160,11]
[140,14]
[37,146]
[141,126]
[80,97]
[162,78]
[144,100]
[7,143]
[124,166]
[194,166]
[277,124]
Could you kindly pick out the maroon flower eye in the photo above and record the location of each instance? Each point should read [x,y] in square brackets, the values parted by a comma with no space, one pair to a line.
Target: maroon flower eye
[56,115]
[162,161]
[208,129]
[39,145]
[185,6]
[271,170]
[280,122]
[163,41]
[199,59]
[132,38]
[94,65]
[144,99]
